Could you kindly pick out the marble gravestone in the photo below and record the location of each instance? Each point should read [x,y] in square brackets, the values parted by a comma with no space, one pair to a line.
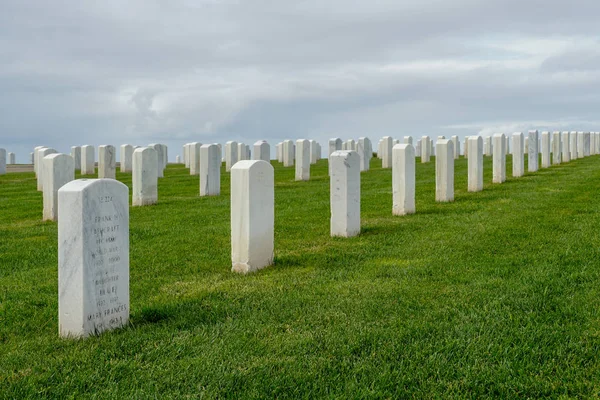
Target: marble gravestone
[499,158]
[2,161]
[344,186]
[11,158]
[408,140]
[518,162]
[144,177]
[403,179]
[93,257]
[262,151]
[210,170]
[160,155]
[35,158]
[475,164]
[566,146]
[556,148]
[456,144]
[314,149]
[586,144]
[580,145]
[288,153]
[126,158]
[231,154]
[386,152]
[546,149]
[194,157]
[335,144]
[43,152]
[177,159]
[425,149]
[186,155]
[252,215]
[76,154]
[444,170]
[59,169]
[302,160]
[573,145]
[88,160]
[365,152]
[242,152]
[532,159]
[107,162]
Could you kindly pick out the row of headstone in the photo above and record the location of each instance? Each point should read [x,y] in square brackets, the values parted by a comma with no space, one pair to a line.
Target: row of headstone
[6,159]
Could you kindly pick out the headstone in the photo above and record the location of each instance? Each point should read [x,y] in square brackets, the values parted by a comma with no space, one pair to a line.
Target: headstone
[418,149]
[466,147]
[177,159]
[586,144]
[241,151]
[35,158]
[365,152]
[566,146]
[288,153]
[335,144]
[231,154]
[144,177]
[262,151]
[526,149]
[507,144]
[408,140]
[93,257]
[386,152]
[252,215]
[499,158]
[88,160]
[210,170]
[556,148]
[580,145]
[444,171]
[11,158]
[302,160]
[475,164]
[403,179]
[76,155]
[195,157]
[425,149]
[126,158]
[31,158]
[345,193]
[545,147]
[518,161]
[165,155]
[313,151]
[59,169]
[487,146]
[532,159]
[279,152]
[107,162]
[40,177]
[456,146]
[2,161]
[186,155]
[159,158]
[573,145]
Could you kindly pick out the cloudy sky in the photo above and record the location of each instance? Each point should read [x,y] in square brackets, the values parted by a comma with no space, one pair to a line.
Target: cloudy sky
[142,71]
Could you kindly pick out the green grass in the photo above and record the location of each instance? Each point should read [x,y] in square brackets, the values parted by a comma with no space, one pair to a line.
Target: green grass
[494,295]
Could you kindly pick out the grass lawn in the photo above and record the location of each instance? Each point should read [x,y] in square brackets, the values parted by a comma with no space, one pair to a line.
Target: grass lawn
[494,295]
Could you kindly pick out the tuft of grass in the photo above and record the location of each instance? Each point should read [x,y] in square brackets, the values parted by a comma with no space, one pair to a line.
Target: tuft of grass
[493,295]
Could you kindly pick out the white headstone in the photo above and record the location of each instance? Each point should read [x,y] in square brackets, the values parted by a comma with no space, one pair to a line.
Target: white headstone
[586,144]
[252,215]
[177,159]
[43,152]
[556,148]
[566,146]
[107,162]
[345,193]
[210,170]
[262,151]
[408,140]
[425,149]
[93,257]
[242,152]
[186,155]
[76,155]
[545,149]
[231,154]
[403,179]
[488,146]
[195,157]
[302,160]
[88,160]
[159,158]
[59,169]
[499,158]
[444,170]
[532,159]
[288,153]
[475,164]
[365,152]
[573,145]
[466,147]
[11,158]
[35,158]
[144,177]
[456,146]
[518,161]
[31,158]
[2,161]
[580,145]
[126,158]
[387,145]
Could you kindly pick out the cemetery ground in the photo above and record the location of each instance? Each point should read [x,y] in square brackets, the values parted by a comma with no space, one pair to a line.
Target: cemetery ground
[496,294]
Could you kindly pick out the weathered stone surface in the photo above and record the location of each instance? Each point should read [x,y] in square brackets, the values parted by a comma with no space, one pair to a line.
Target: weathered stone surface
[345,193]
[144,177]
[403,179]
[195,157]
[262,151]
[43,152]
[573,145]
[242,152]
[499,158]
[35,158]
[365,152]
[59,169]
[76,155]
[586,144]
[88,160]
[580,145]
[556,148]
[475,164]
[425,149]
[532,159]
[386,152]
[160,155]
[107,162]
[210,170]
[408,140]
[252,215]
[126,158]
[93,257]
[444,171]
[302,160]
[566,146]
[456,146]
[335,144]
[466,147]
[545,149]
[518,165]
[288,153]
[231,154]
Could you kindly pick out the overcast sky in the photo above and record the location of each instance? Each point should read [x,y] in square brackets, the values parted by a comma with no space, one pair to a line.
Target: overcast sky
[142,71]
